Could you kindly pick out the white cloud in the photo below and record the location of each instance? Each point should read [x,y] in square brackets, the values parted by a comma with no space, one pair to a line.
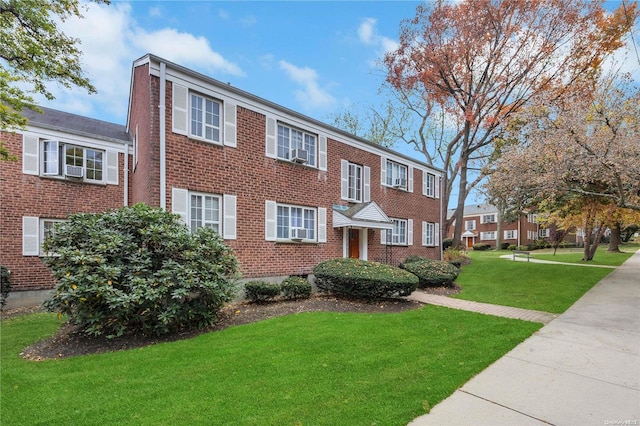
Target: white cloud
[110,41]
[368,34]
[310,96]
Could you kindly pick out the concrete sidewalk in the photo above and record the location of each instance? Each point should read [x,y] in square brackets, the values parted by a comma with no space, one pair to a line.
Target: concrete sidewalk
[583,368]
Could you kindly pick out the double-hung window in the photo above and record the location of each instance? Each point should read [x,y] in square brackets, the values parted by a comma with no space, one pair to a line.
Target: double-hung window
[399,232]
[488,218]
[396,174]
[294,222]
[544,233]
[47,229]
[205,118]
[469,225]
[429,234]
[430,185]
[204,211]
[62,159]
[296,145]
[354,182]
[510,234]
[490,235]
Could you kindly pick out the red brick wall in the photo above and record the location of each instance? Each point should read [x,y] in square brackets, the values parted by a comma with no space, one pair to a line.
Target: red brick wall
[246,172]
[145,178]
[29,195]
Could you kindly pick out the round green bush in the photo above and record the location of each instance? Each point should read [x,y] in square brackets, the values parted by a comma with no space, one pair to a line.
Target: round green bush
[295,288]
[138,269]
[363,280]
[512,247]
[433,273]
[5,285]
[261,291]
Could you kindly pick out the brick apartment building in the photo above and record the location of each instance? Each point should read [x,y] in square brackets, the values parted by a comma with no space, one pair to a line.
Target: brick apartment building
[285,191]
[481,227]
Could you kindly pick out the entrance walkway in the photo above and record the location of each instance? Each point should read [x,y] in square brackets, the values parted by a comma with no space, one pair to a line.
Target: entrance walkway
[483,308]
[583,368]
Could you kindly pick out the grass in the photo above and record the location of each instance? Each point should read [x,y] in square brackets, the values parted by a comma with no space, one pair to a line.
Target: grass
[310,368]
[574,255]
[542,287]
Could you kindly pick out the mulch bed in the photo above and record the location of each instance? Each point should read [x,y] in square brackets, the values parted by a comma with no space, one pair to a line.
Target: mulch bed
[68,341]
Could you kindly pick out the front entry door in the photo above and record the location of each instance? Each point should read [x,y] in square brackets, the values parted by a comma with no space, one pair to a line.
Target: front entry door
[354,243]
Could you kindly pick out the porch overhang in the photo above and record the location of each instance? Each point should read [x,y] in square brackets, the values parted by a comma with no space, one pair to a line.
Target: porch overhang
[468,234]
[363,215]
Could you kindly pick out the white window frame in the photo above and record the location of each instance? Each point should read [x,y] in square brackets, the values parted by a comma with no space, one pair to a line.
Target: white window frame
[395,170]
[43,232]
[398,237]
[201,117]
[214,224]
[304,140]
[510,234]
[469,228]
[544,233]
[488,218]
[430,185]
[60,161]
[429,234]
[532,218]
[283,231]
[488,235]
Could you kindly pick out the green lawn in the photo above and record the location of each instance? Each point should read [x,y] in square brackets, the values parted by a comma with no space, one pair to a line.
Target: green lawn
[310,368]
[543,287]
[574,255]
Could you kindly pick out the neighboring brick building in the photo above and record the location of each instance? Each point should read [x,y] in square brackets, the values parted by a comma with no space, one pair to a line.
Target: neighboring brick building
[481,227]
[284,190]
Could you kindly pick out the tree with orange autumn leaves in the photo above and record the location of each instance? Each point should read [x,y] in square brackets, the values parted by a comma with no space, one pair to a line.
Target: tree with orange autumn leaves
[479,62]
[578,160]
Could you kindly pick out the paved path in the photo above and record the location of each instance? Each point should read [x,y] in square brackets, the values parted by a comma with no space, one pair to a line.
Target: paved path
[533,260]
[483,308]
[583,368]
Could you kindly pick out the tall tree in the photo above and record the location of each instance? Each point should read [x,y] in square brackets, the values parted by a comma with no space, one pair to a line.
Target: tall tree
[580,157]
[482,61]
[34,53]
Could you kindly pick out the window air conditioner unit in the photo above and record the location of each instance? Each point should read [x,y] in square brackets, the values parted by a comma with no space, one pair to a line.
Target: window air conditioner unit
[298,233]
[400,183]
[74,171]
[299,156]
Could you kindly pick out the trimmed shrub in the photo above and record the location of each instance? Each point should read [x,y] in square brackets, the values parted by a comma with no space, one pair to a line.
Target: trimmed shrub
[446,243]
[433,273]
[481,246]
[261,291]
[364,280]
[295,288]
[5,285]
[455,255]
[138,269]
[504,246]
[512,247]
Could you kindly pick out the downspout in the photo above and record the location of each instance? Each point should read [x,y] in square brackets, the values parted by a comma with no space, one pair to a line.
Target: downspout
[126,176]
[163,142]
[441,227]
[519,230]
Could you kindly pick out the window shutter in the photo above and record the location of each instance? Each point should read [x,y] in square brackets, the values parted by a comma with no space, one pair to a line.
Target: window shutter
[112,167]
[425,180]
[230,119]
[322,152]
[436,186]
[180,112]
[30,151]
[344,179]
[383,170]
[383,237]
[270,230]
[272,140]
[229,224]
[30,236]
[424,233]
[410,182]
[322,225]
[180,204]
[436,234]
[367,184]
[410,232]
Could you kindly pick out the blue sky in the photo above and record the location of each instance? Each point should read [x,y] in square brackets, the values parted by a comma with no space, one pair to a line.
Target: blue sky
[315,57]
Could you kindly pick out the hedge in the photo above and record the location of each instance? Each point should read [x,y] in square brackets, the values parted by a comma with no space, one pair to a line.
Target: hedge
[432,273]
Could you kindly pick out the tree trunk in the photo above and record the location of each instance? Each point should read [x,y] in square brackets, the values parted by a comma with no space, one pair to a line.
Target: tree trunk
[462,196]
[616,238]
[590,249]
